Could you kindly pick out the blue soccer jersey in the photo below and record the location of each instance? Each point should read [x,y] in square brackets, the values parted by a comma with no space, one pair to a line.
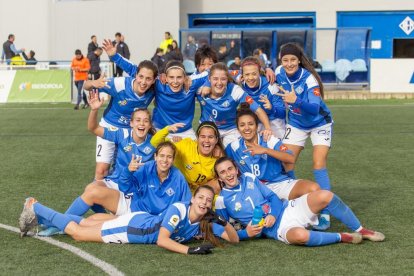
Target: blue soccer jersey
[309,110]
[149,194]
[222,111]
[278,110]
[123,101]
[266,168]
[126,146]
[239,202]
[143,228]
[170,107]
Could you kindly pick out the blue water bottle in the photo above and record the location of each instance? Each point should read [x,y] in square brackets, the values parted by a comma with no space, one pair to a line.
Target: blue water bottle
[258,216]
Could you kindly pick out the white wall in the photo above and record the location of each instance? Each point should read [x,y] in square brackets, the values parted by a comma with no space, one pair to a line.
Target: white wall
[54,29]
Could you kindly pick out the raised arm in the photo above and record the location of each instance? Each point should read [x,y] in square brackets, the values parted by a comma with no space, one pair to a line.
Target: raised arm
[95,103]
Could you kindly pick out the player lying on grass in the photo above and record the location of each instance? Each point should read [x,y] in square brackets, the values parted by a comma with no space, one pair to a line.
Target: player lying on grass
[285,221]
[179,223]
[152,188]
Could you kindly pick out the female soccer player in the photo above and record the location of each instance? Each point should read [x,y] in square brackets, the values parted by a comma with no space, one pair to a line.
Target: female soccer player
[195,158]
[173,104]
[221,104]
[255,84]
[264,158]
[308,116]
[127,94]
[179,223]
[287,221]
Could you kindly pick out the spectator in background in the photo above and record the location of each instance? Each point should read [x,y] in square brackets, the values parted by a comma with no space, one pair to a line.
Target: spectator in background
[172,54]
[122,49]
[225,55]
[263,58]
[190,48]
[168,40]
[9,49]
[176,50]
[80,66]
[95,60]
[256,54]
[158,58]
[93,45]
[236,64]
[30,59]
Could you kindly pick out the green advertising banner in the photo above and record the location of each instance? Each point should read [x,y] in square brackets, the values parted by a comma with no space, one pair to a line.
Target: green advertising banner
[41,86]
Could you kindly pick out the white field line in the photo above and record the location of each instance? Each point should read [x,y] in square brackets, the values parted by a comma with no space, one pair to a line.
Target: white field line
[108,268]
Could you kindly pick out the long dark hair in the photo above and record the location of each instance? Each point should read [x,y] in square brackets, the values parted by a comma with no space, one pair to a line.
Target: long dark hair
[244,109]
[213,126]
[295,49]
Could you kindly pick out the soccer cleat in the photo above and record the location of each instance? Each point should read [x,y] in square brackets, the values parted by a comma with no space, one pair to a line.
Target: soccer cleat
[76,107]
[351,237]
[51,231]
[371,235]
[27,219]
[324,223]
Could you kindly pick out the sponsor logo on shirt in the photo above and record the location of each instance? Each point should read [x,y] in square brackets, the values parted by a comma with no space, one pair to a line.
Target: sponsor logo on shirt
[250,185]
[203,103]
[170,192]
[242,162]
[283,148]
[188,167]
[317,92]
[123,120]
[234,72]
[112,128]
[122,103]
[174,220]
[127,148]
[249,100]
[147,150]
[244,157]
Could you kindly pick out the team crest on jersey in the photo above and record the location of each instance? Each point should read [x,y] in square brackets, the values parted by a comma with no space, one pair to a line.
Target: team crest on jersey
[188,167]
[225,104]
[122,103]
[112,128]
[299,90]
[249,100]
[283,148]
[237,206]
[250,185]
[147,150]
[317,92]
[128,148]
[174,220]
[266,208]
[170,191]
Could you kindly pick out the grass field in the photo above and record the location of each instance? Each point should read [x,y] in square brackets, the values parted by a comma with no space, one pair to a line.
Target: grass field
[47,152]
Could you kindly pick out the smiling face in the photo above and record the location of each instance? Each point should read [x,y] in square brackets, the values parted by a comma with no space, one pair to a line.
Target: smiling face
[164,159]
[143,80]
[207,140]
[290,63]
[202,201]
[205,65]
[218,79]
[247,127]
[251,75]
[140,123]
[175,79]
[227,173]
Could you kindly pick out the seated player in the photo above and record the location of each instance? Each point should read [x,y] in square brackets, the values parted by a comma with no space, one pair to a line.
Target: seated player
[179,223]
[284,221]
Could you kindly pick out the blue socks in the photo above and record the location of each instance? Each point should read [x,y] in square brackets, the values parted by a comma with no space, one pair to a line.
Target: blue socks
[322,238]
[78,207]
[322,178]
[291,174]
[56,219]
[343,213]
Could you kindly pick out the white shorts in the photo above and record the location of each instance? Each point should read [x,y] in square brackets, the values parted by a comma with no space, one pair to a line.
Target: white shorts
[319,136]
[110,184]
[228,136]
[278,127]
[190,133]
[124,204]
[115,231]
[283,188]
[105,150]
[297,214]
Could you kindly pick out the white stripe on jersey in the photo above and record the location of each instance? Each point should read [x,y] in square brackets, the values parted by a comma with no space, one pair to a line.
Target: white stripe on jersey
[182,209]
[311,82]
[199,76]
[220,203]
[235,145]
[119,84]
[126,132]
[271,143]
[237,92]
[277,71]
[273,89]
